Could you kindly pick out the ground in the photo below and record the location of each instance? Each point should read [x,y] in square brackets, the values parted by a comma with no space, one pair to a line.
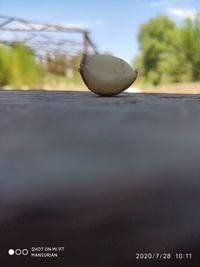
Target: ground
[105,177]
[176,88]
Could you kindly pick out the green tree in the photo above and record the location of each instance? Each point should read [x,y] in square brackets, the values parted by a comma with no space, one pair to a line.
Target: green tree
[190,46]
[169,53]
[155,38]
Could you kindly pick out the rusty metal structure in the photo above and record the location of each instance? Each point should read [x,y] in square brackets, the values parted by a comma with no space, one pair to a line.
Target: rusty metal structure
[46,38]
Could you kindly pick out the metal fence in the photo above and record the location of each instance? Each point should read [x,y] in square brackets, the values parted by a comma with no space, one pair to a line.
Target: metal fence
[46,37]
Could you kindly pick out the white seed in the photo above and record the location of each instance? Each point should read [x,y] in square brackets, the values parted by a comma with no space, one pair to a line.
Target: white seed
[106,75]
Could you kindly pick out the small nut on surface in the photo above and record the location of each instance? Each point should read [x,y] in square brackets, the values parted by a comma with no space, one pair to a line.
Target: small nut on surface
[106,75]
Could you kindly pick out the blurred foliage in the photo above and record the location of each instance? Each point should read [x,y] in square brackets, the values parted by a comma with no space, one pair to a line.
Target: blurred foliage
[75,61]
[57,63]
[109,53]
[5,71]
[18,66]
[59,68]
[169,53]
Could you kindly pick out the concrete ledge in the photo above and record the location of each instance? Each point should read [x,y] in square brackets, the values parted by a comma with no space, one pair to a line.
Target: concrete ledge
[103,177]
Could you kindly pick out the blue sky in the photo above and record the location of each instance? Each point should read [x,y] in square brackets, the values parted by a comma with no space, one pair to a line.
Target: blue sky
[113,24]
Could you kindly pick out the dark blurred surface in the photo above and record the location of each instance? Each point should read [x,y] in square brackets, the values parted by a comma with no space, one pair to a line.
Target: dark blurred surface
[106,178]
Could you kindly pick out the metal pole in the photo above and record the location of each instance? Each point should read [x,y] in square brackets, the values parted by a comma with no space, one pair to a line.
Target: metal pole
[85,43]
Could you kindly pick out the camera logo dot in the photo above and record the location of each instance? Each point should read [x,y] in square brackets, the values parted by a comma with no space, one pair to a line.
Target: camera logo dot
[24,251]
[18,252]
[11,252]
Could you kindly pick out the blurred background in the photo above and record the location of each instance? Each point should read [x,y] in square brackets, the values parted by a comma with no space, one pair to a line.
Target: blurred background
[41,42]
